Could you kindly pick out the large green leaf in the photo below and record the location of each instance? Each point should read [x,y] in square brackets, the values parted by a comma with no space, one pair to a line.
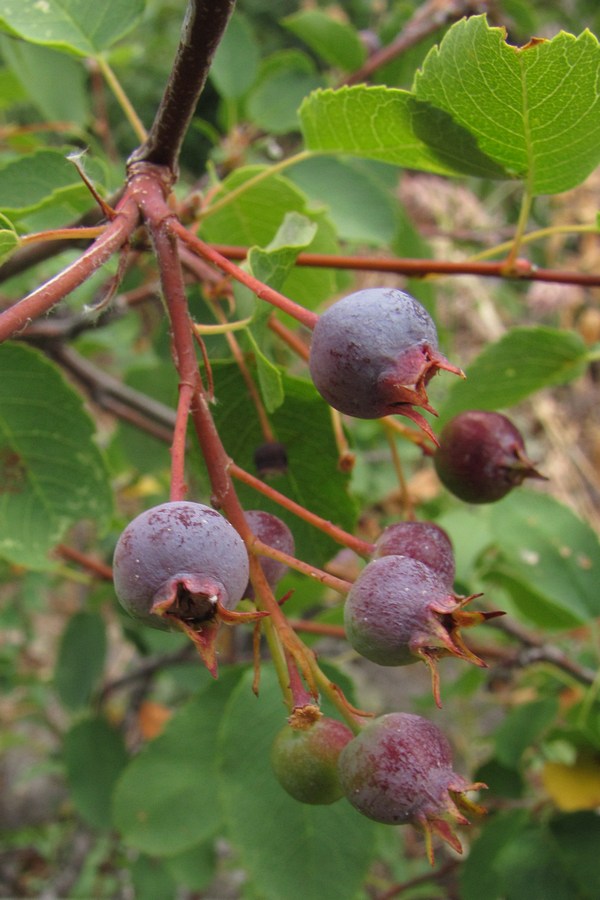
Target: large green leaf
[94,755]
[372,122]
[552,554]
[51,472]
[534,110]
[359,195]
[523,361]
[338,43]
[81,656]
[285,79]
[516,859]
[83,27]
[235,65]
[166,801]
[39,180]
[289,849]
[522,726]
[56,84]
[313,479]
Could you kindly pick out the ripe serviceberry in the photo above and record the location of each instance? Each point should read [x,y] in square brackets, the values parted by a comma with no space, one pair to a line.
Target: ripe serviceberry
[182,565]
[481,457]
[398,770]
[399,611]
[423,541]
[271,530]
[373,353]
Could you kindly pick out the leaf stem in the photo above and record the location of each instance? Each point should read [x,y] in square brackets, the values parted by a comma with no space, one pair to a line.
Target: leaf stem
[524,213]
[363,548]
[122,98]
[262,291]
[263,175]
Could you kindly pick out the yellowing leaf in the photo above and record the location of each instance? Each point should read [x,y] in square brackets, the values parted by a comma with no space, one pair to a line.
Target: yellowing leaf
[573,787]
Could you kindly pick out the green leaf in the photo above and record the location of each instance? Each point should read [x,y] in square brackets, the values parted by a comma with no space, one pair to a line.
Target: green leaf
[285,79]
[166,800]
[253,217]
[481,873]
[523,361]
[371,122]
[269,377]
[532,869]
[358,195]
[51,471]
[39,180]
[81,658]
[313,479]
[577,838]
[9,239]
[554,554]
[94,755]
[334,41]
[532,109]
[522,727]
[83,27]
[235,66]
[152,879]
[57,85]
[288,849]
[273,263]
[195,868]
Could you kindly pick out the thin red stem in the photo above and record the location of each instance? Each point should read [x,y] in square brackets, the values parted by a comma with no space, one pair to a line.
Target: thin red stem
[116,234]
[363,548]
[338,584]
[262,291]
[523,270]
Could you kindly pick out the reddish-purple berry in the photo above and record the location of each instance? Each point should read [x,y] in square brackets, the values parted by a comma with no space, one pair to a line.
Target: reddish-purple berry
[182,565]
[399,611]
[398,770]
[423,541]
[271,530]
[481,457]
[373,353]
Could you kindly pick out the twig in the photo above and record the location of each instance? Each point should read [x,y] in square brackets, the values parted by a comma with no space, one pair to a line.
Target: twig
[40,301]
[425,21]
[203,27]
[363,548]
[420,268]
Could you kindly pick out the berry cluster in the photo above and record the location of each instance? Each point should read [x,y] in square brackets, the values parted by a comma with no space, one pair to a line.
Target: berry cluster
[183,565]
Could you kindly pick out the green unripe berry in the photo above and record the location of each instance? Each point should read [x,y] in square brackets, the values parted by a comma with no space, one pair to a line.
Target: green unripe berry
[305,760]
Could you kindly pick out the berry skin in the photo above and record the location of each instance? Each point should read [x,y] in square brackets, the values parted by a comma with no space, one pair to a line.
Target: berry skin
[398,770]
[272,531]
[399,611]
[373,353]
[305,760]
[182,565]
[423,541]
[481,457]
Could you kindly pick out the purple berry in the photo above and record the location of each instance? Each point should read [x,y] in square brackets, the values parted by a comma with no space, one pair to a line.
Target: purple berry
[182,565]
[272,531]
[373,353]
[398,770]
[481,457]
[423,541]
[399,611]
